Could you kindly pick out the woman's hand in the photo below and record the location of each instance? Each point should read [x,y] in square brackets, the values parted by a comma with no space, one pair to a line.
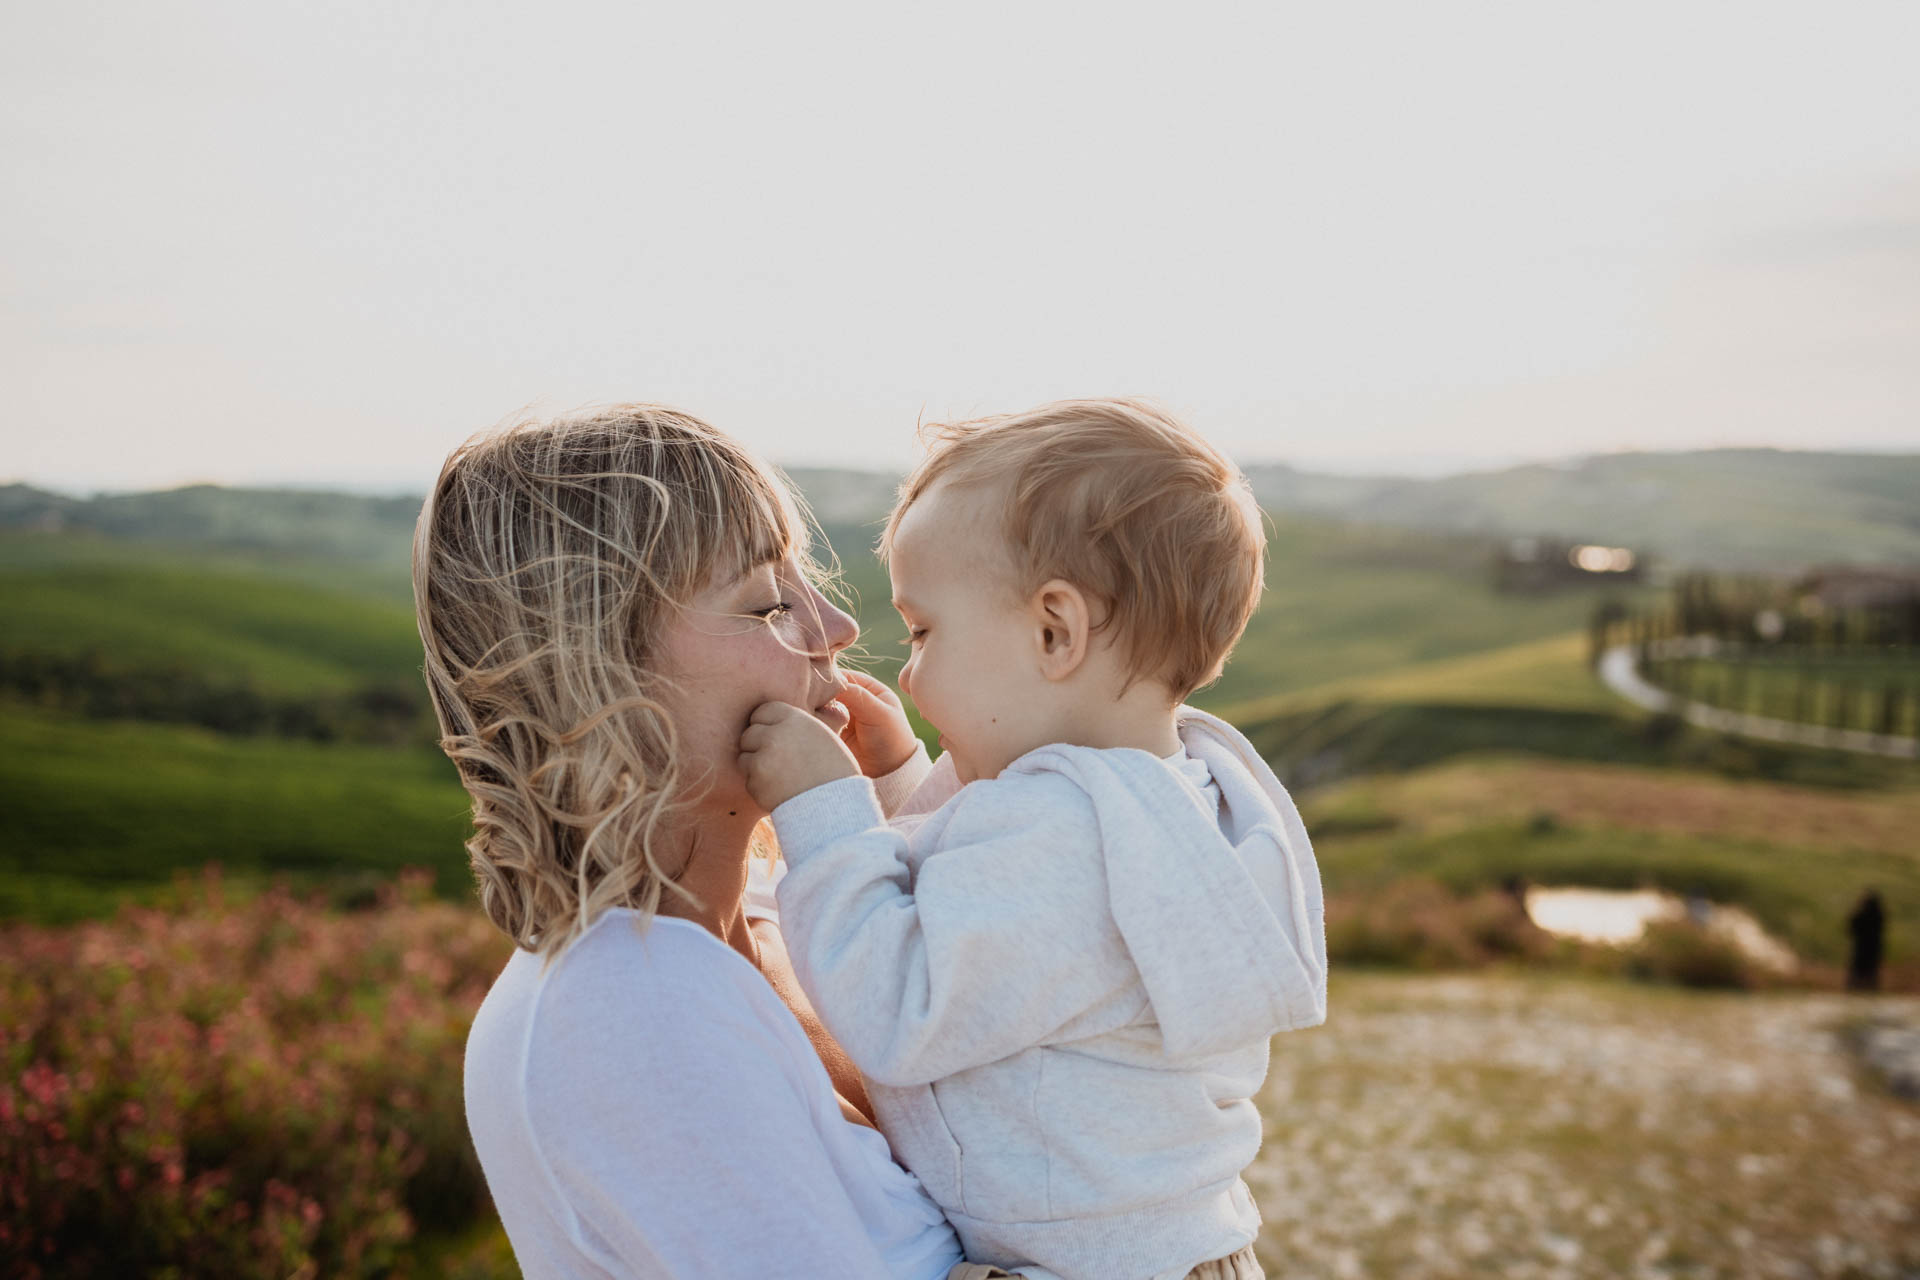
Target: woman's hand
[785,751]
[878,734]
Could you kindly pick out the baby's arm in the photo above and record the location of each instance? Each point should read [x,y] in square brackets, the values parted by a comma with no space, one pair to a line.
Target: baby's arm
[1001,939]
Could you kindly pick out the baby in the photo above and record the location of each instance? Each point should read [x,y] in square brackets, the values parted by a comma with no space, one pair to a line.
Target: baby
[1059,963]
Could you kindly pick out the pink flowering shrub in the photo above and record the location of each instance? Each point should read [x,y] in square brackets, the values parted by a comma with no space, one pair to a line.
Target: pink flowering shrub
[238,1087]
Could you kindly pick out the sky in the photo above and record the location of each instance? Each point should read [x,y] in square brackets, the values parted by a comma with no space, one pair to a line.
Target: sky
[320,244]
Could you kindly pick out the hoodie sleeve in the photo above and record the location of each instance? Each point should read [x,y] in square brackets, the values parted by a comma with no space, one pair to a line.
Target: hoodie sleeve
[939,784]
[894,789]
[1000,939]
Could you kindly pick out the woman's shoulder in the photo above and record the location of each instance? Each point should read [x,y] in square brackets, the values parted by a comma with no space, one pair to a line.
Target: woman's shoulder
[630,968]
[628,989]
[665,1002]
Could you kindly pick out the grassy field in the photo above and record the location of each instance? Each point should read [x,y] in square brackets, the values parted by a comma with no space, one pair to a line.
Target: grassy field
[227,619]
[34,551]
[1381,673]
[98,809]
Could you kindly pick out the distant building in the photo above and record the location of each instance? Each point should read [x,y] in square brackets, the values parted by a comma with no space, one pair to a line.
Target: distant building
[1548,564]
[1849,587]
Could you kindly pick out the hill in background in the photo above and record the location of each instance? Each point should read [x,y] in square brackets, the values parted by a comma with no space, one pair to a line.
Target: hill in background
[233,674]
[1746,509]
[1769,510]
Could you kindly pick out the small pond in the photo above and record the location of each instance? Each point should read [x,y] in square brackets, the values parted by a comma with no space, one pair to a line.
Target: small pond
[1618,917]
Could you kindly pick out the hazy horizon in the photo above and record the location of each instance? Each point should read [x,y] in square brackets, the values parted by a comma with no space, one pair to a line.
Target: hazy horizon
[1440,471]
[261,246]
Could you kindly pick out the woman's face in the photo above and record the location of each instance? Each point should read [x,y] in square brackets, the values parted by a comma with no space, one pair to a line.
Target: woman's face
[766,636]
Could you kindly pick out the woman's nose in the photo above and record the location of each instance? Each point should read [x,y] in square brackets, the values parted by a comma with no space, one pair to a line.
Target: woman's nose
[837,628]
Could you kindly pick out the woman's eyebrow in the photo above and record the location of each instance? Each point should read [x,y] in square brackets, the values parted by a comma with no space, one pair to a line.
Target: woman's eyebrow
[771,562]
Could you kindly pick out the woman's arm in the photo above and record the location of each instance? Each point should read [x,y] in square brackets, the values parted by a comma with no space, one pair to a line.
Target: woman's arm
[848,1087]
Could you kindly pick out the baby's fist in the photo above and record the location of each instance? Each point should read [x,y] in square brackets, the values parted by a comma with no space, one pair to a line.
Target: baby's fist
[785,751]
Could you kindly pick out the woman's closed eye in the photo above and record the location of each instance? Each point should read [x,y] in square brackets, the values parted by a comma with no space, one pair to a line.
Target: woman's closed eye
[773,611]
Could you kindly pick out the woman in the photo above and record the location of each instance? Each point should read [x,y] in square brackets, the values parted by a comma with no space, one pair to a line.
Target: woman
[603,599]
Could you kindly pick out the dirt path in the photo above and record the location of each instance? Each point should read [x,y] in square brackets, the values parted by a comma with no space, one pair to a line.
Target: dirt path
[1555,1127]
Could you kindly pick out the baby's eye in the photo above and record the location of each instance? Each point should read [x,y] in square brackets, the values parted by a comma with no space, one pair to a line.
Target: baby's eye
[914,636]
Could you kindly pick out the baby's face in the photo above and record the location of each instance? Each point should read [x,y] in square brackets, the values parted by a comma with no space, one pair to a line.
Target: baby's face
[973,671]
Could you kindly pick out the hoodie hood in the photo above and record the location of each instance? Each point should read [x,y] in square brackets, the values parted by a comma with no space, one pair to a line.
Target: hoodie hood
[1223,918]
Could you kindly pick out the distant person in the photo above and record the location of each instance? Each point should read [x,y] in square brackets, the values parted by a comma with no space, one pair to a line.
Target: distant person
[1868,927]
[604,599]
[1061,972]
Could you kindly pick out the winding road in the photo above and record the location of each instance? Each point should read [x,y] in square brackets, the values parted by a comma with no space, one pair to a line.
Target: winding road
[1617,672]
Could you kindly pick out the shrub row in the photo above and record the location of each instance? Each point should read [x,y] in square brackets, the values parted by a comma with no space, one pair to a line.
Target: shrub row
[259,1087]
[1421,924]
[1417,923]
[391,713]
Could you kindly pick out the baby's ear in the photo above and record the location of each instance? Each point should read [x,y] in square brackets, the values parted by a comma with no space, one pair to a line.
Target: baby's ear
[1060,620]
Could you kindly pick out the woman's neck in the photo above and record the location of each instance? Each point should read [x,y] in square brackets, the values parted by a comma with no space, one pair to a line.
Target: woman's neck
[714,870]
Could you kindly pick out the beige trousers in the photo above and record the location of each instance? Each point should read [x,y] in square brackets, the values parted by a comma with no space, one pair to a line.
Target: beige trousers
[1240,1266]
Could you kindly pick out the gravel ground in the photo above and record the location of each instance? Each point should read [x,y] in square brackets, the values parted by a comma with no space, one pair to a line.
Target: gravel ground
[1542,1126]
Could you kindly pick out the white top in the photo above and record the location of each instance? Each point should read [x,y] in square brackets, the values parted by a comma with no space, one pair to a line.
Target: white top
[649,1108]
[1060,984]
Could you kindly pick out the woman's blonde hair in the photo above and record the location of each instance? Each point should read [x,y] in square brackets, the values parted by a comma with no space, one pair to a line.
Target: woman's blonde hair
[548,557]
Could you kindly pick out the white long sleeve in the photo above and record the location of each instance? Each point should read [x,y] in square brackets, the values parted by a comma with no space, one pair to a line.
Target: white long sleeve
[649,1108]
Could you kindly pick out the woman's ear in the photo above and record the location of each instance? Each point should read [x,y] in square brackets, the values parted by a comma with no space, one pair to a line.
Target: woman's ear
[1061,626]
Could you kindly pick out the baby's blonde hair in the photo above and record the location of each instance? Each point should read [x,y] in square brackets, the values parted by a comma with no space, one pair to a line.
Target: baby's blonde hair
[547,559]
[1126,502]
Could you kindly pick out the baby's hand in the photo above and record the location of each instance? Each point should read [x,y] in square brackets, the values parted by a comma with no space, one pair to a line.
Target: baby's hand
[785,751]
[878,734]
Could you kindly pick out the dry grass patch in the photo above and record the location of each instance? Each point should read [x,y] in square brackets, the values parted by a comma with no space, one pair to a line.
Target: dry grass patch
[1493,789]
[1527,1126]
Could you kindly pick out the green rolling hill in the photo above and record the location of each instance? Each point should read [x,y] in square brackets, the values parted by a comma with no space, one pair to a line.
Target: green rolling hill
[1747,509]
[1378,651]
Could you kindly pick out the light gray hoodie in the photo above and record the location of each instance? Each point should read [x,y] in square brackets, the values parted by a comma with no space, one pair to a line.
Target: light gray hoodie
[1060,985]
